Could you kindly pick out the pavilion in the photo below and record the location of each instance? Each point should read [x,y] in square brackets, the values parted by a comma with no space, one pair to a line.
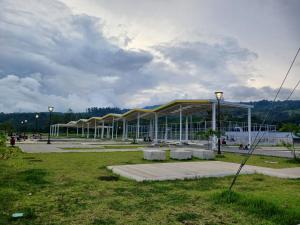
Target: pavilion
[160,125]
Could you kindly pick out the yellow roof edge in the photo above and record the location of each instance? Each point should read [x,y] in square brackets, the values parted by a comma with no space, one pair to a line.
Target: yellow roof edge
[178,101]
[94,117]
[136,110]
[111,114]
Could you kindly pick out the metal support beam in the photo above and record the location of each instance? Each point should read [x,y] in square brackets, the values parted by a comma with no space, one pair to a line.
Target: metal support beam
[112,128]
[117,129]
[57,130]
[124,130]
[138,127]
[180,123]
[186,128]
[102,130]
[249,127]
[95,130]
[166,129]
[88,131]
[155,127]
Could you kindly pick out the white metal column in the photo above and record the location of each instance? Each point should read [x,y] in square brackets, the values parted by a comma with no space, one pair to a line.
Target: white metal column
[88,130]
[213,120]
[166,129]
[82,130]
[155,127]
[112,128]
[249,126]
[77,130]
[180,124]
[186,128]
[138,126]
[108,132]
[57,130]
[102,130]
[124,129]
[95,131]
[117,129]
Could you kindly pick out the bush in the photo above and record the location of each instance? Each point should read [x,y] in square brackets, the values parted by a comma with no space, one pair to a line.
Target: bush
[2,139]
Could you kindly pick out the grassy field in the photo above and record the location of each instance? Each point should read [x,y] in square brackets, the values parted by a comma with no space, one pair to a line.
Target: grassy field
[75,188]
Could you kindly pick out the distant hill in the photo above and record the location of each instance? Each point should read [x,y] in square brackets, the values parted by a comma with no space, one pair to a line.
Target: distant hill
[283,112]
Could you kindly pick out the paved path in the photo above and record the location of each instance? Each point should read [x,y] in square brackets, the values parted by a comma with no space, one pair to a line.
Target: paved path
[45,148]
[192,170]
[263,151]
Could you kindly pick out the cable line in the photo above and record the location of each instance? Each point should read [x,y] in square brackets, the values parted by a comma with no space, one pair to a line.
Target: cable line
[252,148]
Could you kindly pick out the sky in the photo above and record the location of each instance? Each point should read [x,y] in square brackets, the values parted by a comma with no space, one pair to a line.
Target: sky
[134,53]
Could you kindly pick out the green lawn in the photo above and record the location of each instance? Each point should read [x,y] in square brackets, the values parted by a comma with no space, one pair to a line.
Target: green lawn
[66,188]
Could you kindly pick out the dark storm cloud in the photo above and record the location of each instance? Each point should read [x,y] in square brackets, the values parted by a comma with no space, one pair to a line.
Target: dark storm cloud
[49,55]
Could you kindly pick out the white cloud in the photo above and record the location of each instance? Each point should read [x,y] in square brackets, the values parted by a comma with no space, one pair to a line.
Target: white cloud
[49,55]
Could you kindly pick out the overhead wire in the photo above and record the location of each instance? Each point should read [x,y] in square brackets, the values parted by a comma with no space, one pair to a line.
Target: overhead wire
[253,144]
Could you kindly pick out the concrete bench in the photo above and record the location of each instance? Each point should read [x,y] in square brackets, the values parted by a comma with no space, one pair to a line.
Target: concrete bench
[203,154]
[181,154]
[154,155]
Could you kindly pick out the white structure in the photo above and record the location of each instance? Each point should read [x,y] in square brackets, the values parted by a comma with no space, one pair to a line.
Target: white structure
[177,121]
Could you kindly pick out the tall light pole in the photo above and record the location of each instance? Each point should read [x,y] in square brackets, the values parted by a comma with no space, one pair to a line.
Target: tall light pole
[25,123]
[219,96]
[36,122]
[50,109]
[22,123]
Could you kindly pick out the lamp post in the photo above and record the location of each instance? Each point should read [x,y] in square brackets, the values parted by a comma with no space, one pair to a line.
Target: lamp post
[25,123]
[22,123]
[219,96]
[50,109]
[36,122]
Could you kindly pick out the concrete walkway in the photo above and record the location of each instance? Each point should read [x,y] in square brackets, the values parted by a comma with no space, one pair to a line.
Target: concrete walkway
[193,170]
[45,148]
[262,151]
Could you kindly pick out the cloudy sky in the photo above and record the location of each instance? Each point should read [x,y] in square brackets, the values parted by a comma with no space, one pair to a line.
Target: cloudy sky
[133,53]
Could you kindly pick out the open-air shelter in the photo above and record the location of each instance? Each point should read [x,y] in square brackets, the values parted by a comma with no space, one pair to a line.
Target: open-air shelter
[177,121]
[93,122]
[186,108]
[110,118]
[54,129]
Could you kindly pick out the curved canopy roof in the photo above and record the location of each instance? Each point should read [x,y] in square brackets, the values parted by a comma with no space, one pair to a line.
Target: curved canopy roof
[188,106]
[134,113]
[110,117]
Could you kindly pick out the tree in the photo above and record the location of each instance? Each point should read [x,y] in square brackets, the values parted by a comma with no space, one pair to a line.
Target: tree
[207,135]
[7,127]
[290,127]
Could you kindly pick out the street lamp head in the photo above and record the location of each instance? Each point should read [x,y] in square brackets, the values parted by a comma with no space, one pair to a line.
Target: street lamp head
[36,116]
[25,121]
[22,122]
[219,95]
[50,108]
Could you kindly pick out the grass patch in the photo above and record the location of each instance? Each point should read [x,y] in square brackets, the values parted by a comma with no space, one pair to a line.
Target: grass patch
[257,160]
[260,207]
[67,188]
